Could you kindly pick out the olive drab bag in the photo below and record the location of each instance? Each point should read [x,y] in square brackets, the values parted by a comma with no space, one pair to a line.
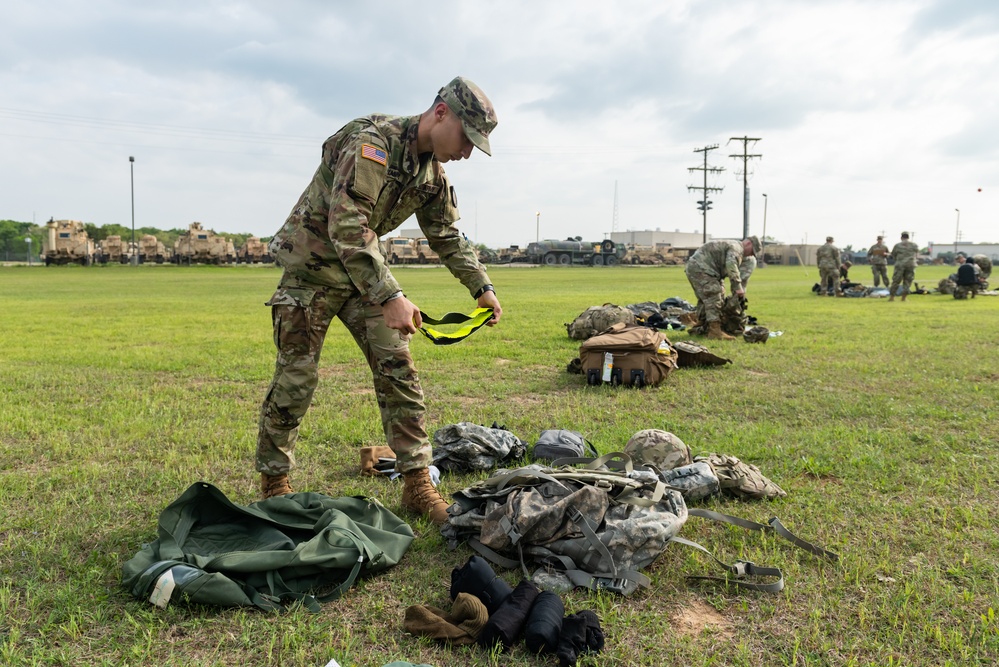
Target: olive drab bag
[298,548]
[630,355]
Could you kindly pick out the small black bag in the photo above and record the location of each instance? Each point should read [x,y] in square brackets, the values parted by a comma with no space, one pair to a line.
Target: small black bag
[559,444]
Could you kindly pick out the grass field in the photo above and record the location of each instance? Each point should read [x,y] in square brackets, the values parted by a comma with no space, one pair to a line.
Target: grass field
[121,386]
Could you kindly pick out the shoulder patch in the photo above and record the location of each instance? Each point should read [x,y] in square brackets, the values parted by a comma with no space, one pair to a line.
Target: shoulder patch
[374,154]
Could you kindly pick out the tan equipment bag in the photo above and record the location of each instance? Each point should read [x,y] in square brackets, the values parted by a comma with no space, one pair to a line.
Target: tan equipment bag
[627,354]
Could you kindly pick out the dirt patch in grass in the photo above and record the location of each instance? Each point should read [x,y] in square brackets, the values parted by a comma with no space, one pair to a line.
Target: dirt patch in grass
[698,617]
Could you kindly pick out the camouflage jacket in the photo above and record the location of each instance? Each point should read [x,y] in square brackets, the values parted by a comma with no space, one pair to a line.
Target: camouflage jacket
[878,254]
[828,256]
[905,253]
[370,180]
[719,259]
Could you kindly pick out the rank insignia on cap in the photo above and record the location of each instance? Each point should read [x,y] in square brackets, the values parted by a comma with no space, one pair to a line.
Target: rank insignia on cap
[374,153]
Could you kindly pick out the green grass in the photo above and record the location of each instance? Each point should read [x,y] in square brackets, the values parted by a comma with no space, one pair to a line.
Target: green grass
[121,386]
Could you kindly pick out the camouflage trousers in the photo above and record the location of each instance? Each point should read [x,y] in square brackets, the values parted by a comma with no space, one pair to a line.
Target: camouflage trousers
[901,275]
[829,279]
[710,293]
[301,315]
[880,272]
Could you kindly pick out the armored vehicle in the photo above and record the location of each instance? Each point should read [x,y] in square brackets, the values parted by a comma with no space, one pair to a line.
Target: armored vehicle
[111,249]
[401,250]
[254,251]
[202,246]
[151,249]
[576,251]
[67,242]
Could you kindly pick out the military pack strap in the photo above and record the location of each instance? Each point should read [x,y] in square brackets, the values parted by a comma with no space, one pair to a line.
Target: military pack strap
[738,570]
[774,525]
[472,323]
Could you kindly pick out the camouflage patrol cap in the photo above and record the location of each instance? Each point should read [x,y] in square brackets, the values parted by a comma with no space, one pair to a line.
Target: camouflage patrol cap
[473,108]
[757,246]
[659,448]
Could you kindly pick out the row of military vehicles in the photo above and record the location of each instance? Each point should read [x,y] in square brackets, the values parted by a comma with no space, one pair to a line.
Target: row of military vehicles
[67,242]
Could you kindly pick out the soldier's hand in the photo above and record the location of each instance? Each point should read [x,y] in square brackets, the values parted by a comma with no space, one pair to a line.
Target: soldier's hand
[489,300]
[402,315]
[740,293]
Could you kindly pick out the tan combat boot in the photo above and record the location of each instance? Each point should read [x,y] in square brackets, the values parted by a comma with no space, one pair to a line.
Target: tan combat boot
[421,496]
[891,297]
[904,294]
[715,332]
[274,485]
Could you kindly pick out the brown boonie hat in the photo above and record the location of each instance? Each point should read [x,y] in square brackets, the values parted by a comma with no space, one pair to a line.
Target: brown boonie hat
[473,108]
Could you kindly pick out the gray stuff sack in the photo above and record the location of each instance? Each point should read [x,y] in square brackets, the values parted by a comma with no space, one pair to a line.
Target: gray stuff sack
[556,444]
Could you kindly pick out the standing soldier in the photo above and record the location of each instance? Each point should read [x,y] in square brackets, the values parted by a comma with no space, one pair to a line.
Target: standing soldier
[828,258]
[877,255]
[706,271]
[904,253]
[375,172]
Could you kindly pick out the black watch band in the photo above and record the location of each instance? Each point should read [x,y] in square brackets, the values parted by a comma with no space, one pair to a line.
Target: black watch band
[484,289]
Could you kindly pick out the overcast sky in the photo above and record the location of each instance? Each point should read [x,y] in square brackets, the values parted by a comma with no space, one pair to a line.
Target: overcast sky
[873,115]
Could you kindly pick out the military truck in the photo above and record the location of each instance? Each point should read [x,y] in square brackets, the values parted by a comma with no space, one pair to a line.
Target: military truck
[576,251]
[202,246]
[67,242]
[254,251]
[151,249]
[424,253]
[111,249]
[401,250]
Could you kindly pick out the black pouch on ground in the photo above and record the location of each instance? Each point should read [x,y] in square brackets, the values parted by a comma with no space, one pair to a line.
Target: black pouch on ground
[544,623]
[477,577]
[505,625]
[581,633]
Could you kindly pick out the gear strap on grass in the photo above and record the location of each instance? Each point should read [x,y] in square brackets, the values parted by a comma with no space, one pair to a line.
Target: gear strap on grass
[473,322]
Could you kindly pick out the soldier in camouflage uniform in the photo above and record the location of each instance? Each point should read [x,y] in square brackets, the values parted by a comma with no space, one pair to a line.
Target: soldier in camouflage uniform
[375,172]
[828,259]
[904,253]
[706,271]
[983,263]
[877,255]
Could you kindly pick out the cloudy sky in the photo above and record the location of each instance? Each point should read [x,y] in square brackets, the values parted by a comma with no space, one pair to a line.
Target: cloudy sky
[872,116]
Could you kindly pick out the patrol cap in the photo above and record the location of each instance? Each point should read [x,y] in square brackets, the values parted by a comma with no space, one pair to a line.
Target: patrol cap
[829,239]
[473,108]
[757,246]
[905,235]
[880,238]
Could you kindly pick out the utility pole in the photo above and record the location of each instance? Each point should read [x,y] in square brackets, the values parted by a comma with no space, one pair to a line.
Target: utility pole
[705,204]
[763,239]
[745,178]
[614,217]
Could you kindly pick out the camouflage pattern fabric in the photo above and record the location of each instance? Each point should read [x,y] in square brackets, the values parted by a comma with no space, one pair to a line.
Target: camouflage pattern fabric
[694,481]
[828,259]
[905,253]
[707,269]
[946,286]
[659,448]
[880,272]
[756,334]
[597,319]
[740,479]
[983,263]
[473,108]
[733,317]
[301,315]
[465,447]
[877,254]
[746,268]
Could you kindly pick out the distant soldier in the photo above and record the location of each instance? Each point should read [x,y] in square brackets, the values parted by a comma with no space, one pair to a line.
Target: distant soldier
[828,258]
[375,172]
[877,255]
[707,270]
[904,253]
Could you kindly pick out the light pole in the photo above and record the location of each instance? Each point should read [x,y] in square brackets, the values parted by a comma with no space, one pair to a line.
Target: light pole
[27,239]
[537,227]
[763,239]
[131,169]
[957,231]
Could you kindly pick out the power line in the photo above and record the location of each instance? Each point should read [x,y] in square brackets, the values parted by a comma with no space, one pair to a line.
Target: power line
[705,204]
[745,179]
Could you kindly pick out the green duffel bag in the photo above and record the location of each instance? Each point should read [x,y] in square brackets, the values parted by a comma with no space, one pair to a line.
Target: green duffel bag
[301,547]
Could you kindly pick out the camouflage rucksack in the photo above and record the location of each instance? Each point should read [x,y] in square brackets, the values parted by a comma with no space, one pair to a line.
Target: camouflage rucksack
[595,319]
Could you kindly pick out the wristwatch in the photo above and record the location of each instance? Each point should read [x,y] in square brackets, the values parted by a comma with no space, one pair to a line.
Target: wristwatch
[482,290]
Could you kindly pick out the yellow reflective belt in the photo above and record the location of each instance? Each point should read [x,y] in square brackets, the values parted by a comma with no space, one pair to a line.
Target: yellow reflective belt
[473,322]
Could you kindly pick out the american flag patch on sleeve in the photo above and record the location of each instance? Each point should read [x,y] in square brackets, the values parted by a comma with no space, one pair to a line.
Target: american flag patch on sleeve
[374,153]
